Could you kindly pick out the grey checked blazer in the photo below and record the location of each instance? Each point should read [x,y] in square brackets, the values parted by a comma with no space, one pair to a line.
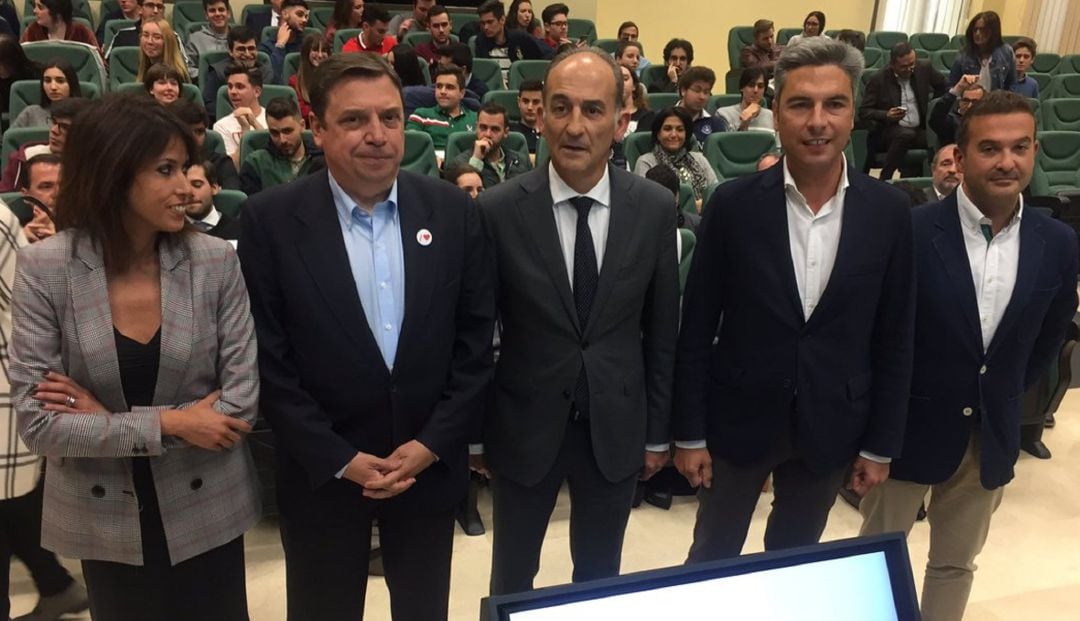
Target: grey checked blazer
[62,321]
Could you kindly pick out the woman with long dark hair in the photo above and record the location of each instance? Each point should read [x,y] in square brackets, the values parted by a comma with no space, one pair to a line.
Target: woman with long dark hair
[347,14]
[813,26]
[672,132]
[54,21]
[58,81]
[985,57]
[313,52]
[407,65]
[520,16]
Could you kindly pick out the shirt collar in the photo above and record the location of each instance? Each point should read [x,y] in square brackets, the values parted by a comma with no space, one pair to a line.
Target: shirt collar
[841,188]
[972,218]
[561,192]
[211,218]
[345,204]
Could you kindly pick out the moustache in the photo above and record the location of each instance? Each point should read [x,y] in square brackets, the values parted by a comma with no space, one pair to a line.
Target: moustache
[1005,177]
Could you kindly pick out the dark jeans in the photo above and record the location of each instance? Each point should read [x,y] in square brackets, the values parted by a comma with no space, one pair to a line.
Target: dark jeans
[896,141]
[20,535]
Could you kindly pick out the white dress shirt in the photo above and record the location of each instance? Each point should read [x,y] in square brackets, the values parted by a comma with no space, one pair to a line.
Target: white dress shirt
[231,132]
[566,216]
[908,100]
[814,239]
[993,263]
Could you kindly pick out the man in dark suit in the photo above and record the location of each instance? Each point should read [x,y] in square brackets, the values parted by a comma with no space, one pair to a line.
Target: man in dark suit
[945,173]
[257,20]
[588,301]
[809,266]
[374,305]
[201,211]
[996,291]
[895,106]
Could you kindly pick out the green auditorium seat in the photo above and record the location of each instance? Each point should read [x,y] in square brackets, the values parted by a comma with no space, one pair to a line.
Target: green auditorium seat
[659,101]
[83,58]
[875,58]
[943,60]
[1061,115]
[929,41]
[184,13]
[738,37]
[523,70]
[230,202]
[734,154]
[885,39]
[462,142]
[112,27]
[1046,62]
[1070,63]
[123,66]
[687,202]
[420,154]
[1064,85]
[635,145]
[16,137]
[1057,163]
[506,99]
[342,36]
[783,36]
[487,70]
[581,29]
[28,93]
[22,211]
[608,45]
[321,16]
[722,101]
[259,139]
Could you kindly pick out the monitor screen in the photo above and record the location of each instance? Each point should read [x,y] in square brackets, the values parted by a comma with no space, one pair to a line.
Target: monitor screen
[865,579]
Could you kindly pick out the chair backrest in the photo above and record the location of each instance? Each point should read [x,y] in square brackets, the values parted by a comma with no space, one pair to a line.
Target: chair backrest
[956,42]
[81,8]
[1036,109]
[929,41]
[858,145]
[738,37]
[269,91]
[578,28]
[635,145]
[321,16]
[1070,63]
[214,143]
[191,27]
[419,156]
[1046,62]
[185,12]
[542,154]
[16,137]
[731,81]
[123,66]
[292,66]
[112,27]
[342,36]
[506,99]
[229,202]
[784,35]
[83,58]
[522,70]
[488,71]
[659,101]
[462,142]
[733,154]
[189,92]
[417,37]
[260,139]
[23,93]
[608,45]
[654,74]
[919,182]
[885,39]
[1064,85]
[687,200]
[943,60]
[706,196]
[875,58]
[1057,161]
[15,202]
[1058,114]
[722,101]
[252,9]
[1043,80]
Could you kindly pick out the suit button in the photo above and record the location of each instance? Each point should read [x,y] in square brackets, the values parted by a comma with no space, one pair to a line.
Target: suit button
[968,411]
[98,491]
[196,483]
[982,370]
[584,346]
[393,388]
[566,394]
[787,383]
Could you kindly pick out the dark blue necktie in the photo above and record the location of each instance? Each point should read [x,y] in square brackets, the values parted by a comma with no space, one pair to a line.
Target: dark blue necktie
[586,276]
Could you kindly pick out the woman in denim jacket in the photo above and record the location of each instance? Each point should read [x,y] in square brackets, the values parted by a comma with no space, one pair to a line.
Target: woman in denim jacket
[985,54]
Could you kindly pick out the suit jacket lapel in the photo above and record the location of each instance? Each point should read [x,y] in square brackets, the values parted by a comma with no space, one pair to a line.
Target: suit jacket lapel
[177,321]
[853,220]
[539,226]
[322,249]
[1032,247]
[421,262]
[93,321]
[949,244]
[622,221]
[772,200]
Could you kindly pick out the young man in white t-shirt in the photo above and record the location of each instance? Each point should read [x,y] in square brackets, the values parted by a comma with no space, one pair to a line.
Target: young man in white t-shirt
[244,87]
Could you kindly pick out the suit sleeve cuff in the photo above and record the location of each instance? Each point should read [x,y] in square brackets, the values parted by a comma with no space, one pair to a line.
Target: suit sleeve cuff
[690,444]
[658,448]
[875,458]
[476,449]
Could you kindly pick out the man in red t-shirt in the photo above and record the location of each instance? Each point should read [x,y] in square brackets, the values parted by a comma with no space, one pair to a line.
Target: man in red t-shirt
[372,37]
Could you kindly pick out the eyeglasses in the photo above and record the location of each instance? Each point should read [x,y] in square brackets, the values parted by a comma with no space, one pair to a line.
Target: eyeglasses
[61,127]
[154,6]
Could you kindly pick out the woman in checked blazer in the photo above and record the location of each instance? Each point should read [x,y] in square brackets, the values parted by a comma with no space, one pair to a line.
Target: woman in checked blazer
[133,371]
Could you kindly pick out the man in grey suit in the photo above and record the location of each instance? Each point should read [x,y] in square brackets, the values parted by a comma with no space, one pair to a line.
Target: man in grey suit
[588,297]
[946,174]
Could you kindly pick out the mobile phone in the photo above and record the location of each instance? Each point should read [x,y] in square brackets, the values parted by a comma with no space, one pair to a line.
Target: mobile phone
[902,108]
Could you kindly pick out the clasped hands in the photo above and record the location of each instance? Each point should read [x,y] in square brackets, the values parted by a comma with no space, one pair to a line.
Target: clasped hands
[387,477]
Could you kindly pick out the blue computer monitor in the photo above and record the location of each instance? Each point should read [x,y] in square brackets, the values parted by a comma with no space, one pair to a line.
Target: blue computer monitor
[863,579]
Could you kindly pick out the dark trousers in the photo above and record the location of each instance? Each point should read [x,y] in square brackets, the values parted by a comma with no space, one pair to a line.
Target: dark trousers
[896,141]
[326,567]
[599,510]
[802,499]
[20,535]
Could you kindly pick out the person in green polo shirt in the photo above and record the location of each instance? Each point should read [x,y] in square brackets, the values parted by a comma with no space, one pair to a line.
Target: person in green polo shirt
[288,156]
[448,116]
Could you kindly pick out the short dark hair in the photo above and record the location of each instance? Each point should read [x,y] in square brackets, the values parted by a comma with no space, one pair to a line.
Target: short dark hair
[494,108]
[750,75]
[206,4]
[530,85]
[70,107]
[821,18]
[100,163]
[341,67]
[453,170]
[623,26]
[914,193]
[188,111]
[209,170]
[240,34]
[63,9]
[621,46]
[282,107]
[254,74]
[161,71]
[450,69]
[899,51]
[665,176]
[41,158]
[992,103]
[458,53]
[697,73]
[374,14]
[552,10]
[679,43]
[854,38]
[437,10]
[993,25]
[289,3]
[495,7]
[675,111]
[1027,42]
[762,26]
[74,88]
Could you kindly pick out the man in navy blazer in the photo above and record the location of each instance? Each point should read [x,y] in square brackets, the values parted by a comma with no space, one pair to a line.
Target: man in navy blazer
[996,291]
[374,306]
[795,352]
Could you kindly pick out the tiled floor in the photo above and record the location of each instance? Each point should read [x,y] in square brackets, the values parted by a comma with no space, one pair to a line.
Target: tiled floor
[1029,570]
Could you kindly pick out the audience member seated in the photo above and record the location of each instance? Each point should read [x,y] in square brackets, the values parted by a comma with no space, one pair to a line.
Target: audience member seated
[159,44]
[14,66]
[125,9]
[39,186]
[497,42]
[58,81]
[556,19]
[1024,50]
[347,15]
[61,115]
[54,20]
[465,177]
[243,50]
[201,212]
[671,148]
[312,53]
[530,100]
[288,156]
[667,178]
[628,54]
[812,26]
[406,64]
[946,174]
[762,52]
[522,17]
[946,116]
[402,24]
[194,116]
[289,37]
[372,37]
[162,82]
[634,102]
[256,21]
[448,116]
[894,108]
[750,112]
[854,38]
[915,194]
[459,54]
[768,160]
[212,37]
[678,57]
[494,163]
[628,31]
[440,26]
[149,10]
[244,87]
[695,89]
[985,54]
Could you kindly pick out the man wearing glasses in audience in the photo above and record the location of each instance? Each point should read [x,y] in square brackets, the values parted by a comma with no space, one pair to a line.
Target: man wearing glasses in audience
[695,88]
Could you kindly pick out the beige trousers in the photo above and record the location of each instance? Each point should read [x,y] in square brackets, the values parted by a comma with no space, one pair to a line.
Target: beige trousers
[959,515]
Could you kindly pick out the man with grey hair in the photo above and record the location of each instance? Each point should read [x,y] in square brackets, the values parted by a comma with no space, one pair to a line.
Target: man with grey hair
[588,298]
[945,173]
[808,372]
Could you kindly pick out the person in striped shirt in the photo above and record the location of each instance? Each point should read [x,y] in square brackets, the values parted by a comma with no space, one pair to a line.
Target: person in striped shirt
[449,115]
